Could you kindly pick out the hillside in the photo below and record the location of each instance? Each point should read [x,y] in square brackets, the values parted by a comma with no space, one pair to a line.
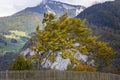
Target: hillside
[21,21]
[105,15]
[104,19]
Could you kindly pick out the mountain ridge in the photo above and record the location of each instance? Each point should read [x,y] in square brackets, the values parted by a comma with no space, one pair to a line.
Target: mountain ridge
[56,7]
[104,14]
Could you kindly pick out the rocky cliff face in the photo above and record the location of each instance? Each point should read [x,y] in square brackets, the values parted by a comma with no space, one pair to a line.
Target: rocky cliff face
[60,63]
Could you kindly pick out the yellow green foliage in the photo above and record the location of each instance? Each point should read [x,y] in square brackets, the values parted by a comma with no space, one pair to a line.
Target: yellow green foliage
[15,34]
[82,67]
[52,58]
[60,35]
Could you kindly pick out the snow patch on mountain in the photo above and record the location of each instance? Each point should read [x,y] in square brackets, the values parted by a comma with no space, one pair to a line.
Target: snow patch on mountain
[78,11]
[49,10]
[44,2]
[57,8]
[68,6]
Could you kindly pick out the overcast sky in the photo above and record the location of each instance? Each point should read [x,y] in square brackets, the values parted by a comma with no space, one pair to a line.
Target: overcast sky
[9,7]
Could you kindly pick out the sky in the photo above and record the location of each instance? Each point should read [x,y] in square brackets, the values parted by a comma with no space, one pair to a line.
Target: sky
[9,7]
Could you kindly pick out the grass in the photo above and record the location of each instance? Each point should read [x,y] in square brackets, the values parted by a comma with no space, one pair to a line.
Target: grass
[12,47]
[15,34]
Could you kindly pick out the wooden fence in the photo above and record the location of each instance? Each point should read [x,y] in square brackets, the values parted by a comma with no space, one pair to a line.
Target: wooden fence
[56,75]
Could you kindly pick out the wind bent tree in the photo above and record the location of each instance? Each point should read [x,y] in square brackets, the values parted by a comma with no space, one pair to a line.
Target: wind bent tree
[60,35]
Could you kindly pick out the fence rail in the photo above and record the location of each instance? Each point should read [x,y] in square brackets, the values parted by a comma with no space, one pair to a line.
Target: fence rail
[56,75]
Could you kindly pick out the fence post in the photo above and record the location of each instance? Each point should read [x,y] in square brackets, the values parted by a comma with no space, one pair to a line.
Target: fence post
[6,75]
[25,77]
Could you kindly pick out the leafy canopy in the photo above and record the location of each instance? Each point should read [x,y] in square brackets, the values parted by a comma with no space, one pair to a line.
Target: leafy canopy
[62,35]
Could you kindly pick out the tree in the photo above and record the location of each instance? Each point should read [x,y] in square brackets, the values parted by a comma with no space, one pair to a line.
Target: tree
[61,35]
[21,64]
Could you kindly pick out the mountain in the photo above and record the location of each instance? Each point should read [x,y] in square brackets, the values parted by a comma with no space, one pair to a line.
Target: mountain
[57,8]
[15,30]
[27,19]
[106,14]
[24,22]
[104,20]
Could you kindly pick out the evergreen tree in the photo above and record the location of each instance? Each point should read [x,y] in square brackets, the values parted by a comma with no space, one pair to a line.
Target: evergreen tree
[21,64]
